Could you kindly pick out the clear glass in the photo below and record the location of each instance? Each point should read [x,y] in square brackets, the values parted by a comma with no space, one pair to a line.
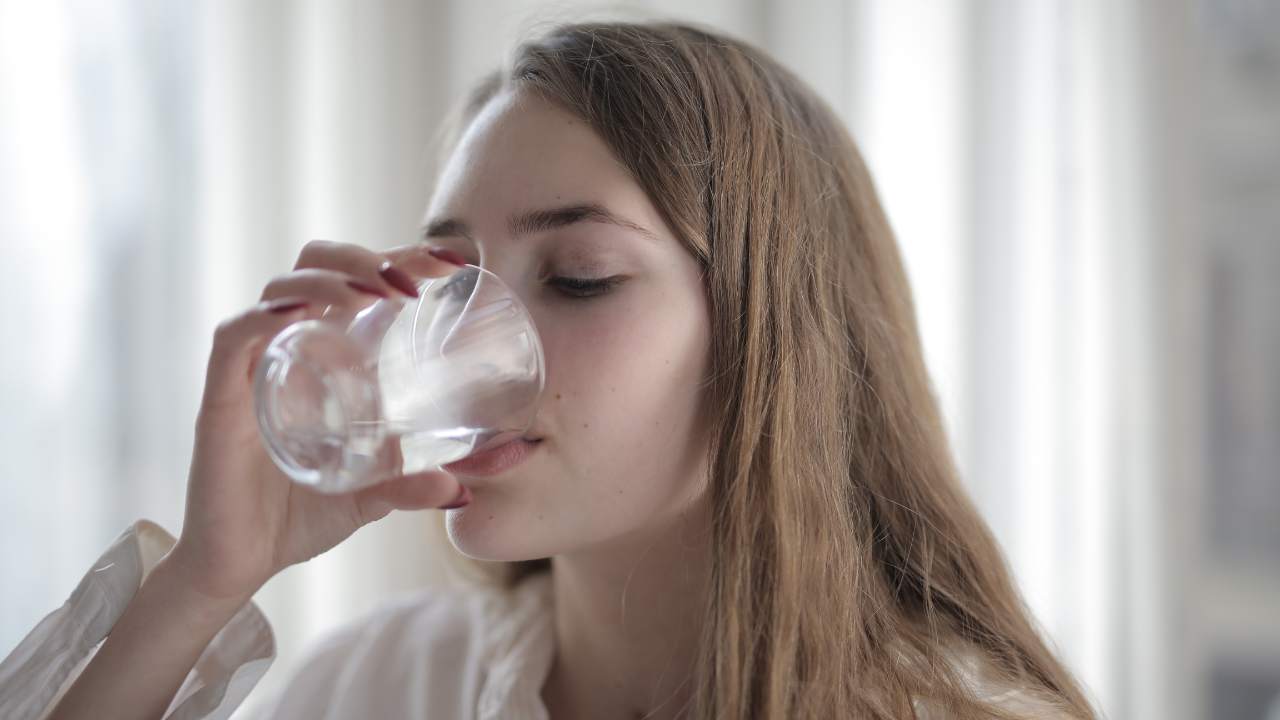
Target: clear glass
[408,385]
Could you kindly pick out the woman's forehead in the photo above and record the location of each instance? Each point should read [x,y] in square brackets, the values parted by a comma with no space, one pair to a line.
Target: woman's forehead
[523,152]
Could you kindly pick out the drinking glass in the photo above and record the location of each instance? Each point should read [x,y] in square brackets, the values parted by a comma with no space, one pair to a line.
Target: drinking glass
[408,384]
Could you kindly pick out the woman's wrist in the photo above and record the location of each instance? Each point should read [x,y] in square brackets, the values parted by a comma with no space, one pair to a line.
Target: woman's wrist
[173,579]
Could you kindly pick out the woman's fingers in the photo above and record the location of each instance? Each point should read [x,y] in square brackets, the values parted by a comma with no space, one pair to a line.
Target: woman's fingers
[419,261]
[324,286]
[348,278]
[431,489]
[393,270]
[239,340]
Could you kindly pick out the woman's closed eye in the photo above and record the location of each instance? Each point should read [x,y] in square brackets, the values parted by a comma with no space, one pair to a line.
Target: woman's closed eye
[583,288]
[459,287]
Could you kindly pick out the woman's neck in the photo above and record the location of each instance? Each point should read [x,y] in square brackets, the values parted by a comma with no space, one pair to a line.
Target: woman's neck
[627,623]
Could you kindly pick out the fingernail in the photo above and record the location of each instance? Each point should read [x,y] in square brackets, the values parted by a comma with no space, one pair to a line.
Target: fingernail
[447,255]
[464,498]
[398,279]
[284,305]
[367,289]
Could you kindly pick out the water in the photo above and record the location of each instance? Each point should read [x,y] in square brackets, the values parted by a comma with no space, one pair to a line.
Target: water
[424,450]
[347,462]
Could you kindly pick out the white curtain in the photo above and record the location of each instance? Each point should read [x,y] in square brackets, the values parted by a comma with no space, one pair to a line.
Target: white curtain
[159,162]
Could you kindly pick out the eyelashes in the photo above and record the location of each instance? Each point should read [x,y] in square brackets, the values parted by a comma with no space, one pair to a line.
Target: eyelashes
[460,287]
[584,288]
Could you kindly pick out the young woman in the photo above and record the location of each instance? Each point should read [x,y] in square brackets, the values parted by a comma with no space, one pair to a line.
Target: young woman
[737,500]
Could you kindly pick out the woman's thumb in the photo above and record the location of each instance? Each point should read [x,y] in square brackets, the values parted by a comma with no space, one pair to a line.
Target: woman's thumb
[431,489]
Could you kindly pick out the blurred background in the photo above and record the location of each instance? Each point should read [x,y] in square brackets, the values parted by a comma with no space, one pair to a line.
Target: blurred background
[1087,194]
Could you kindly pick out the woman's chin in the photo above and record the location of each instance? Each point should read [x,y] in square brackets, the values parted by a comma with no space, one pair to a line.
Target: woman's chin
[483,536]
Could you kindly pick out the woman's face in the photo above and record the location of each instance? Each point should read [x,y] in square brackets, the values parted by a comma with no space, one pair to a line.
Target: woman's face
[623,442]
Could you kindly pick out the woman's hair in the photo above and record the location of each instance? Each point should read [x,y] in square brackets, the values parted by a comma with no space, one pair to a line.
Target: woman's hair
[847,560]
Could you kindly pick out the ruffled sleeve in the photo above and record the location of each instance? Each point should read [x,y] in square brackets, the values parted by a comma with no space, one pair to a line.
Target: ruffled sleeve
[46,662]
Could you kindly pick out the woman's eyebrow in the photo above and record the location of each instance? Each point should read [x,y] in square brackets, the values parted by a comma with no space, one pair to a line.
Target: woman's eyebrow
[534,221]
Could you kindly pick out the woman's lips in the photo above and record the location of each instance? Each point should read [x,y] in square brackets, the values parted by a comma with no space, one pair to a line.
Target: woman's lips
[494,460]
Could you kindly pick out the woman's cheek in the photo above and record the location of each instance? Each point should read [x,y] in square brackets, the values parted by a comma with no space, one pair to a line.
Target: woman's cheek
[606,377]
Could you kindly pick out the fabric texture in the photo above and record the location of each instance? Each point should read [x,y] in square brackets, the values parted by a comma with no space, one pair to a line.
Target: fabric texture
[38,671]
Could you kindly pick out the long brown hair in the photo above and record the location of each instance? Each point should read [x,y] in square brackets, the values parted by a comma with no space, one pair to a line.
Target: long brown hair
[847,560]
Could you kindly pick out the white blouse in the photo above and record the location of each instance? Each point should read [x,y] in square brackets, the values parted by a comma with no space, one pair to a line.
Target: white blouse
[438,653]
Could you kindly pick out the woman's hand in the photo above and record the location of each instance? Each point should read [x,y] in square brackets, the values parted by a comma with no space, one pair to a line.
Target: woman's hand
[245,520]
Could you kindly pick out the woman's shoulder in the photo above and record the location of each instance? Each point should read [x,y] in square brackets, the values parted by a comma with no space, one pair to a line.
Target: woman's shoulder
[429,643]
